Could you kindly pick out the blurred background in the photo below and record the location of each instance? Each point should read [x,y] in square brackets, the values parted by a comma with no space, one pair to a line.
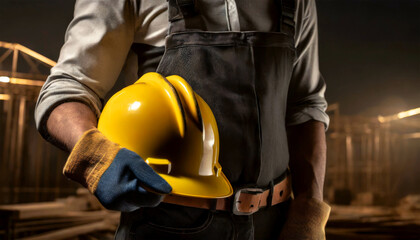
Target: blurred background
[369,56]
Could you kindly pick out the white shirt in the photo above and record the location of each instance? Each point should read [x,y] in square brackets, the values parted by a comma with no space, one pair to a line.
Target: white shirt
[98,41]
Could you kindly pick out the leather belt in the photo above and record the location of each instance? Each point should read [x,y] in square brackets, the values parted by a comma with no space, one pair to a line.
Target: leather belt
[245,201]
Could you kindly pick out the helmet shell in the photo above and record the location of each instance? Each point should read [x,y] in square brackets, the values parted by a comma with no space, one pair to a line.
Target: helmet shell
[173,129]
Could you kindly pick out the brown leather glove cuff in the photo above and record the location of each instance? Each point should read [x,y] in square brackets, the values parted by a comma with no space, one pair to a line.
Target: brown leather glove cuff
[306,219]
[90,158]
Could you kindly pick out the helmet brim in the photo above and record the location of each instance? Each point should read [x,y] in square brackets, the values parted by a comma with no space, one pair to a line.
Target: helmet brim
[200,186]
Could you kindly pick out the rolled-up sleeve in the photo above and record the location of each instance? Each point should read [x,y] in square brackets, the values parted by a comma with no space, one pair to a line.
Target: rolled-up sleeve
[97,42]
[306,100]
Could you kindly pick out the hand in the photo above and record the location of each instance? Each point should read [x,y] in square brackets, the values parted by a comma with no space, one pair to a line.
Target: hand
[306,220]
[118,177]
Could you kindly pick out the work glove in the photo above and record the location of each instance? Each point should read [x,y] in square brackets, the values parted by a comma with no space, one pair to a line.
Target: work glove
[118,177]
[306,220]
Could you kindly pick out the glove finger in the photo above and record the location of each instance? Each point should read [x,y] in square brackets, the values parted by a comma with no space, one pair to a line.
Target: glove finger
[145,198]
[148,178]
[134,200]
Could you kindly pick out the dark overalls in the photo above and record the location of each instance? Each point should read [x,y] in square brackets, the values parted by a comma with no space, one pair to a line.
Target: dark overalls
[244,77]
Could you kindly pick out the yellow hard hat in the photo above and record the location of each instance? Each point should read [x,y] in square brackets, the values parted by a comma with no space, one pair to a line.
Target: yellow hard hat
[173,129]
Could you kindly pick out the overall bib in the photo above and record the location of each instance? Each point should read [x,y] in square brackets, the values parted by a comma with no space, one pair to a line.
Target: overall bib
[244,77]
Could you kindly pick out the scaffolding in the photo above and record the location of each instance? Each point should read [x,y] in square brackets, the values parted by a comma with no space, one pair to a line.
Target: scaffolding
[372,160]
[30,168]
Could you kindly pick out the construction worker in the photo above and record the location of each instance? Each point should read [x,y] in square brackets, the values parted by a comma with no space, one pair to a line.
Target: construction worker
[255,63]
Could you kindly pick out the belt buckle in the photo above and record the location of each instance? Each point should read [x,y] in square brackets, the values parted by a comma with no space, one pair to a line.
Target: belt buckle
[237,201]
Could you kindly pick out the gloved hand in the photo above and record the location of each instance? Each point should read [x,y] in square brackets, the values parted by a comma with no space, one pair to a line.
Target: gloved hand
[306,220]
[118,177]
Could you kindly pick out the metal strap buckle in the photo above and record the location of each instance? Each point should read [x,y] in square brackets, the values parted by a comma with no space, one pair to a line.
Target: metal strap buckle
[240,202]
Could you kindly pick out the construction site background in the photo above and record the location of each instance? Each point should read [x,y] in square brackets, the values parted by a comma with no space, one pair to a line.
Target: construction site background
[373,163]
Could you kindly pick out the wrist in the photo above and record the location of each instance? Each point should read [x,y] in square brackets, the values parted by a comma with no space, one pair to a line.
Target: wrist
[90,158]
[309,194]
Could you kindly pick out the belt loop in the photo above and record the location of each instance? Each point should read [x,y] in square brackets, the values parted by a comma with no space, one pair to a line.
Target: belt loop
[270,194]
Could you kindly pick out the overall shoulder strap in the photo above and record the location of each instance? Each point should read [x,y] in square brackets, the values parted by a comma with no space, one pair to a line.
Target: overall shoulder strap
[178,11]
[286,9]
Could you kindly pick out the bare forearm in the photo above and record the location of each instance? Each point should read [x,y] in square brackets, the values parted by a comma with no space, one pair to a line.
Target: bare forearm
[68,122]
[307,148]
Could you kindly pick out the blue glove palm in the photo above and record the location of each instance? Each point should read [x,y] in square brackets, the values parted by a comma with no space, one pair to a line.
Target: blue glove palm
[118,177]
[123,185]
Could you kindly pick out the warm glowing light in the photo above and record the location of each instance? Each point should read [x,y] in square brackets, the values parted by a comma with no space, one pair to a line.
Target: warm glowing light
[134,106]
[381,119]
[4,96]
[21,81]
[4,79]
[412,135]
[409,113]
[27,82]
[400,115]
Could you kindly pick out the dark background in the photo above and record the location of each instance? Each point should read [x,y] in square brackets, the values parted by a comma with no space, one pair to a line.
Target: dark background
[369,49]
[370,57]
